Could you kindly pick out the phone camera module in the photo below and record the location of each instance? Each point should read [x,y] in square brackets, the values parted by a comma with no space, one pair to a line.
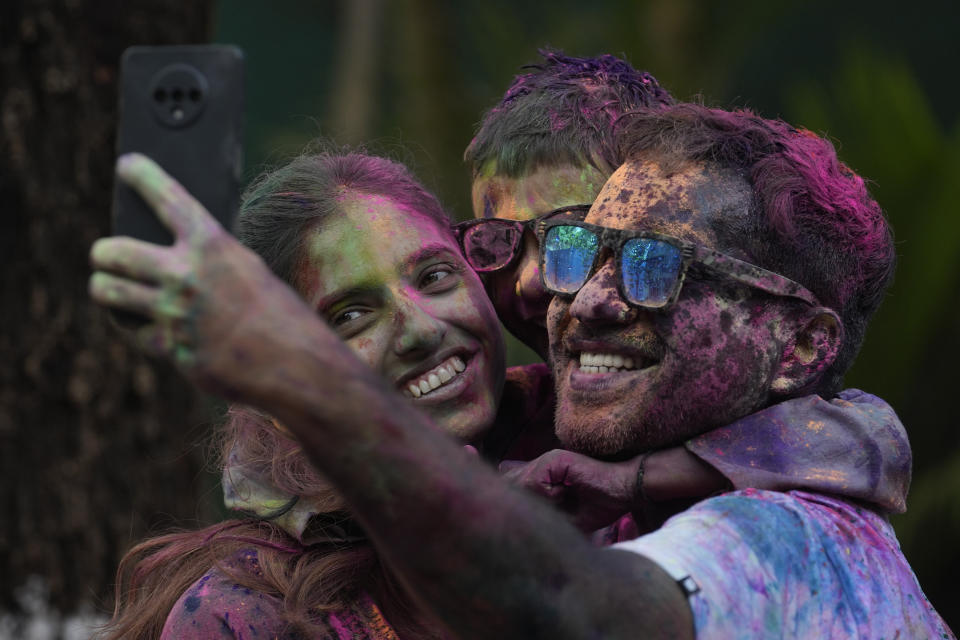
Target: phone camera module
[179,92]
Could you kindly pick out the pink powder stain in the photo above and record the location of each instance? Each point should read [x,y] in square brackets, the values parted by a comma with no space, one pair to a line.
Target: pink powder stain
[334,621]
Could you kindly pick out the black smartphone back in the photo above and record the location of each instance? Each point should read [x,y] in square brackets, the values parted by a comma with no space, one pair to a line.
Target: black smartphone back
[183,107]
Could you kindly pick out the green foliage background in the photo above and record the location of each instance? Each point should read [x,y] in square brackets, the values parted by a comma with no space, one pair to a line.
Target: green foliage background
[879,78]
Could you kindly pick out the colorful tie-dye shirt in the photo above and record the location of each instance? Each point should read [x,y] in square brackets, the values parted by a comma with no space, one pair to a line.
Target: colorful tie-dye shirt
[770,564]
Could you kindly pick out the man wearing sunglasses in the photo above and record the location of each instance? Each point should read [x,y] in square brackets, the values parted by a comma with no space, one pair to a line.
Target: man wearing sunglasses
[666,326]
[730,266]
[542,153]
[539,158]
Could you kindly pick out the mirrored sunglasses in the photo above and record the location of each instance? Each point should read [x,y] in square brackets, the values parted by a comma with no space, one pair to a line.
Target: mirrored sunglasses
[650,266]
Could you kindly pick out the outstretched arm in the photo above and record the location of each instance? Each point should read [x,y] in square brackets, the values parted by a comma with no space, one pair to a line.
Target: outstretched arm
[488,559]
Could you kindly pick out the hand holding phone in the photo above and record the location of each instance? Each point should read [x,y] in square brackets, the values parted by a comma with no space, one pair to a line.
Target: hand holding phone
[211,304]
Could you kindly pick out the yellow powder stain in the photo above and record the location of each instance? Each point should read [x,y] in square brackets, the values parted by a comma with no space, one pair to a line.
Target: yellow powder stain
[830,475]
[815,425]
[275,503]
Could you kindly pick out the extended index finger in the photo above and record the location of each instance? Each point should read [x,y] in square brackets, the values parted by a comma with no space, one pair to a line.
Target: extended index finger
[174,206]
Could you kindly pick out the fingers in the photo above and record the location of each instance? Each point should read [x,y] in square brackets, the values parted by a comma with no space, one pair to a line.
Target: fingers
[161,340]
[176,208]
[134,259]
[534,478]
[507,466]
[121,293]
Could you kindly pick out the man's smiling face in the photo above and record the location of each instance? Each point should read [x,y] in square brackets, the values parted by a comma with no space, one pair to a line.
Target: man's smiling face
[704,361]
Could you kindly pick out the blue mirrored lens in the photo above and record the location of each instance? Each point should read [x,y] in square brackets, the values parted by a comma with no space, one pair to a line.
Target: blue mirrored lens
[650,270]
[568,254]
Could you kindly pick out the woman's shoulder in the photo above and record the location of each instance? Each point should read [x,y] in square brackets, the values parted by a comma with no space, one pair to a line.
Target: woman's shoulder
[217,606]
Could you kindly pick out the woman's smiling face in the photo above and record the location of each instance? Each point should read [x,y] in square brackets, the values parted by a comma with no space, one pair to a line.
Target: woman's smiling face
[391,281]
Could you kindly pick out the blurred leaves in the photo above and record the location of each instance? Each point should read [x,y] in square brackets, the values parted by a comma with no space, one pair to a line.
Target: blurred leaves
[884,128]
[873,104]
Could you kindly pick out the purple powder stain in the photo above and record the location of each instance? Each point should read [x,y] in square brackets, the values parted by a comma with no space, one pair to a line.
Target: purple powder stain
[191,604]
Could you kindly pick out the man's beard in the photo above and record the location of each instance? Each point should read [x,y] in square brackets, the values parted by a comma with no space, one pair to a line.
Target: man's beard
[617,433]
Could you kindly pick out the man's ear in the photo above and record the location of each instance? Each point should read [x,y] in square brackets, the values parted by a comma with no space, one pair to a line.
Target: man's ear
[813,346]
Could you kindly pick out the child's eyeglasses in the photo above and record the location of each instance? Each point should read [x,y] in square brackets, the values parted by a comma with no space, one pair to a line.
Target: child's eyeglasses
[650,266]
[491,244]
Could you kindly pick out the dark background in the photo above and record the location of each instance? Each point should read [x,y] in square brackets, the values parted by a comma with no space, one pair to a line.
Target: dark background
[100,445]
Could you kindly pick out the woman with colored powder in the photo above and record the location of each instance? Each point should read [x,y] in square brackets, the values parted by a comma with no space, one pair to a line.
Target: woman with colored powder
[373,253]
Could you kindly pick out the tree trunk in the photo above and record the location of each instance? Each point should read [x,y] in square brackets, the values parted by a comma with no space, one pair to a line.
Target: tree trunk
[94,437]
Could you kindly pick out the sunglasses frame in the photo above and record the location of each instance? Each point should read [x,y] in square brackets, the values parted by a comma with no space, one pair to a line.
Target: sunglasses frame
[704,257]
[460,229]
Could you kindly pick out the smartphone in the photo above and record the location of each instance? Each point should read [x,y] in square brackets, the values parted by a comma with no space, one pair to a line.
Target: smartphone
[183,107]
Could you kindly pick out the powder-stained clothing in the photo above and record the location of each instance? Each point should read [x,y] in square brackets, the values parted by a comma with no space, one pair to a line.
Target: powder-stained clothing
[777,561]
[853,445]
[769,564]
[215,606]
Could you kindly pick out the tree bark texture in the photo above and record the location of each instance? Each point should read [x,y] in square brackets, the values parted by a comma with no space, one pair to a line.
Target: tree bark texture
[95,438]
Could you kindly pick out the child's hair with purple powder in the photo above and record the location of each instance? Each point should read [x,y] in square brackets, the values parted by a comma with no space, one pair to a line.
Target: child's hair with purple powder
[277,212]
[812,218]
[562,110]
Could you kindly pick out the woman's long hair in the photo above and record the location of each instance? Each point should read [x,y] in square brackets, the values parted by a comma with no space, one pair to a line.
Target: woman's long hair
[278,210]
